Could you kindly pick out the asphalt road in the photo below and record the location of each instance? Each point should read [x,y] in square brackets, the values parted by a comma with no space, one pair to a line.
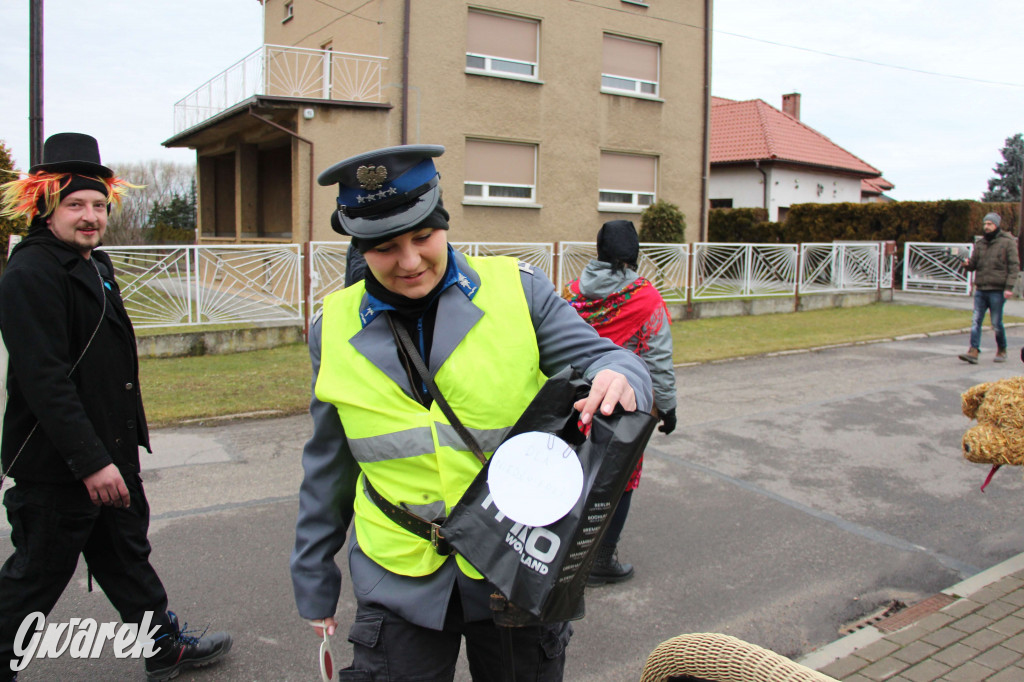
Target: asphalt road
[800,493]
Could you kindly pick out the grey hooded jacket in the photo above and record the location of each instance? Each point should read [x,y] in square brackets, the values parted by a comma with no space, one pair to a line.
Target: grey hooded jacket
[598,280]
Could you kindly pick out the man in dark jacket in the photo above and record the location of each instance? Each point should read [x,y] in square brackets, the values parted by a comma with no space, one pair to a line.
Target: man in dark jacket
[74,419]
[997,265]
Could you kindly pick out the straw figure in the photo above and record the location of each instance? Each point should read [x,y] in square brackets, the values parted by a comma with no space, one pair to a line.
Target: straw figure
[998,437]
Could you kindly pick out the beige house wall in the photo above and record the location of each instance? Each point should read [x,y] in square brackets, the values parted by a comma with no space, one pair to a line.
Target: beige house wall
[565,114]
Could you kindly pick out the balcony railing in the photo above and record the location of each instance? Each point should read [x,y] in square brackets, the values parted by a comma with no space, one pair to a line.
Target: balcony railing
[279,71]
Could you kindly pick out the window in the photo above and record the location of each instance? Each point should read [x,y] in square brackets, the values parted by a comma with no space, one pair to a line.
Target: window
[721,203]
[500,45]
[289,11]
[630,67]
[627,182]
[500,173]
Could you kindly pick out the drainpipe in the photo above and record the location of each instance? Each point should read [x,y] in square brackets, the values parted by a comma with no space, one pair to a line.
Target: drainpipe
[405,71]
[705,153]
[764,198]
[309,229]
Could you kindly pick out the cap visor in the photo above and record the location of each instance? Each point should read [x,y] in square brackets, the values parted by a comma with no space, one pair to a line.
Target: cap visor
[394,222]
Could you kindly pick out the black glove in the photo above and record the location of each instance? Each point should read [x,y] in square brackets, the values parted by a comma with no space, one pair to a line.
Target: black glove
[668,421]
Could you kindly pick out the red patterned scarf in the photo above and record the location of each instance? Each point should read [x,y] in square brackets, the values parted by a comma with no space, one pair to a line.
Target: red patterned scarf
[622,314]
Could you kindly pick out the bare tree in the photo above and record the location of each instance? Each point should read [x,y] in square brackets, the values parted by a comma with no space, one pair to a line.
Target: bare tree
[161,180]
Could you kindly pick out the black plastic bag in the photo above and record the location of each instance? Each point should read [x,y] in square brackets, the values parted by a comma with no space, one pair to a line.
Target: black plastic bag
[543,571]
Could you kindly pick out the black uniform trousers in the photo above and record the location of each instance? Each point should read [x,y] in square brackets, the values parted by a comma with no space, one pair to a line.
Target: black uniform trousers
[51,525]
[388,648]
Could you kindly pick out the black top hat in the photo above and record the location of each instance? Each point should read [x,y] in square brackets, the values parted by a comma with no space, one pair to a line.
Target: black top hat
[72,153]
[387,191]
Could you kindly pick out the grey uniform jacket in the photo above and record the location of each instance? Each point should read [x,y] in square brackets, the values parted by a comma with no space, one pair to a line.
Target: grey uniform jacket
[330,472]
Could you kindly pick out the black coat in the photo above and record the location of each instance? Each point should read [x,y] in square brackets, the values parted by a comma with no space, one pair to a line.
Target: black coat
[51,299]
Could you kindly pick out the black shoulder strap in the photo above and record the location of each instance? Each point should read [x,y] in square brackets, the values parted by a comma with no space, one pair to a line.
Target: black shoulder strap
[402,335]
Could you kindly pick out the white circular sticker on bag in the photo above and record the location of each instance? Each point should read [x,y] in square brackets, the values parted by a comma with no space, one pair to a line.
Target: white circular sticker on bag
[535,478]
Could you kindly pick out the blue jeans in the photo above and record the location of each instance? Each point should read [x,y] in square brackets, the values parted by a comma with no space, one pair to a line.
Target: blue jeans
[993,302]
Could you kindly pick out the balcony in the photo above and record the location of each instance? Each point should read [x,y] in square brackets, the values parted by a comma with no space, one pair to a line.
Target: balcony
[278,71]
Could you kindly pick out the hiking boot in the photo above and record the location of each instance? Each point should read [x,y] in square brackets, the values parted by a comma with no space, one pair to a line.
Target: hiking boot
[1000,355]
[179,650]
[607,568]
[970,356]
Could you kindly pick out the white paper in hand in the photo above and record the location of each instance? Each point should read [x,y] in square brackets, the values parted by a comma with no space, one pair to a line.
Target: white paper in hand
[535,478]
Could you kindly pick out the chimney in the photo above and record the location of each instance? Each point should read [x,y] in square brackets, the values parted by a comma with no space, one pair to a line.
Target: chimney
[791,104]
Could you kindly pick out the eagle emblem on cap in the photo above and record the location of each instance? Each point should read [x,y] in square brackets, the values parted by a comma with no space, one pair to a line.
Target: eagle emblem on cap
[371,177]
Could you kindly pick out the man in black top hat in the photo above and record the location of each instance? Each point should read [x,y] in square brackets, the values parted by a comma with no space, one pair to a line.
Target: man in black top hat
[74,420]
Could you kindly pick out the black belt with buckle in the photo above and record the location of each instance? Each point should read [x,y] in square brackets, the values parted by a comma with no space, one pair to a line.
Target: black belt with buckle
[428,530]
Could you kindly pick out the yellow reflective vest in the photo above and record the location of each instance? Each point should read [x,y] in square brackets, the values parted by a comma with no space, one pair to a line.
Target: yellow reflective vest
[409,453]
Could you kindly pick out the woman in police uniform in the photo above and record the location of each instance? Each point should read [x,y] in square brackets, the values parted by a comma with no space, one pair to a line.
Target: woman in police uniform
[490,330]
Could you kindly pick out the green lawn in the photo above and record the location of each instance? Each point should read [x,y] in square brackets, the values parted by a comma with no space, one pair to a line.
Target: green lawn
[728,337]
[177,389]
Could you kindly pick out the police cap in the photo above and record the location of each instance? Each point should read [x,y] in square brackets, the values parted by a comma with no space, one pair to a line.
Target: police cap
[385,192]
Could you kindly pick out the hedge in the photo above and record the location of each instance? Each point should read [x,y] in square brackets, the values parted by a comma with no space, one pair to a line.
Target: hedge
[900,221]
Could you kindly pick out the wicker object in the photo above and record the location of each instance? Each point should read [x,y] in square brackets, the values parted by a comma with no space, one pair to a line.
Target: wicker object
[712,657]
[998,437]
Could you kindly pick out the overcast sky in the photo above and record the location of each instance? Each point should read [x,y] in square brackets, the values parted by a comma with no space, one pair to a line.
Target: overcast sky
[927,91]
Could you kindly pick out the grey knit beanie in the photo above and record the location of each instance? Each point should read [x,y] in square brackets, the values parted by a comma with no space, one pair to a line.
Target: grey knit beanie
[993,217]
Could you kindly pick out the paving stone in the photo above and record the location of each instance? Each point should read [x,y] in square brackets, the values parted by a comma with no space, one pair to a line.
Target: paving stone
[998,658]
[984,639]
[987,595]
[1014,580]
[844,667]
[1015,598]
[944,637]
[915,652]
[926,671]
[955,655]
[971,623]
[1016,643]
[935,621]
[1010,675]
[876,650]
[1009,625]
[857,678]
[959,609]
[968,672]
[911,633]
[884,669]
[998,609]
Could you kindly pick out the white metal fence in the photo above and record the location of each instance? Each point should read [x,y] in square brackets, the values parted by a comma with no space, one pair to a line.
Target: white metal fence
[665,265]
[936,267]
[170,286]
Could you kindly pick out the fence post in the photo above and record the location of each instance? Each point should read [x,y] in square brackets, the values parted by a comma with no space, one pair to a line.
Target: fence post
[799,276]
[691,278]
[307,289]
[556,263]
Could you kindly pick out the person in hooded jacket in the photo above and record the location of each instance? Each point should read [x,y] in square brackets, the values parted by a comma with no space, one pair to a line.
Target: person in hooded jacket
[74,418]
[384,456]
[996,264]
[626,308]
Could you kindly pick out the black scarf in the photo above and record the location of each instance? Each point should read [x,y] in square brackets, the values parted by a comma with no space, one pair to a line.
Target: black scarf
[413,313]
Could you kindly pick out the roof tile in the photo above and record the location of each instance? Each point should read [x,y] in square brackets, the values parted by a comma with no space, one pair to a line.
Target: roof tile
[753,130]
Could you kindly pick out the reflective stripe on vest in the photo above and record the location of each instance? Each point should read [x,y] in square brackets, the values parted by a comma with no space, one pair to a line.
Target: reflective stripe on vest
[412,455]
